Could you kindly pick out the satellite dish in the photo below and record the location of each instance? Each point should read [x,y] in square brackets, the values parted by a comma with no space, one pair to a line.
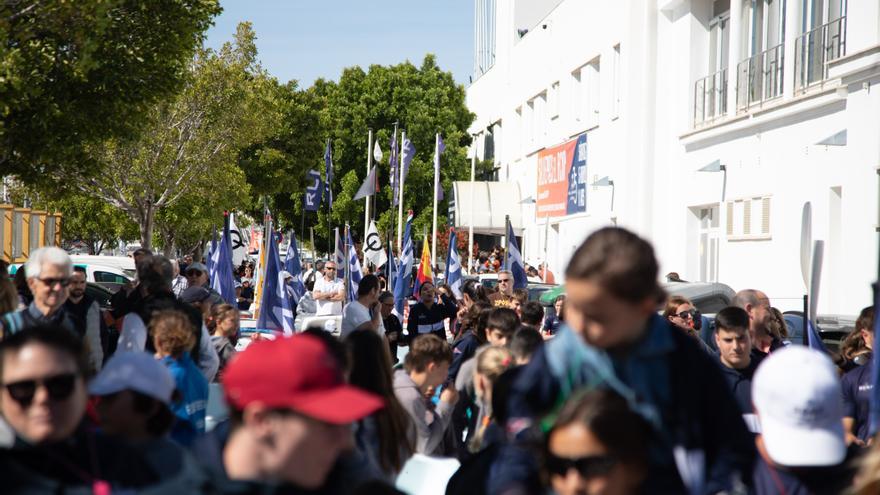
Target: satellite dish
[806,243]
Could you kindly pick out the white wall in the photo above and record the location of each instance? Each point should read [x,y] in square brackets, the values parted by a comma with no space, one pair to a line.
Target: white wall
[652,152]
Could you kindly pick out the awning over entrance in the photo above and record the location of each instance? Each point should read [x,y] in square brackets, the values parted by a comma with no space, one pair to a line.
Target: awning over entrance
[488,202]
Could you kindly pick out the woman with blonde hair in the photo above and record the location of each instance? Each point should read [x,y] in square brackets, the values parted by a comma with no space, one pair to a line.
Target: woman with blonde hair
[492,362]
[173,338]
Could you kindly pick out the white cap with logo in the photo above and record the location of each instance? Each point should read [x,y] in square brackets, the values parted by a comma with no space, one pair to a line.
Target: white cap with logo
[797,395]
[137,371]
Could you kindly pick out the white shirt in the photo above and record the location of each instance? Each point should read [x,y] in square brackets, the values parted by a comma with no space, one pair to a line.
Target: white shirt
[326,307]
[356,314]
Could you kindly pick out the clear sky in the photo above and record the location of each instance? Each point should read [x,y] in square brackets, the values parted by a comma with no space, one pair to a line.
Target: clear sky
[308,39]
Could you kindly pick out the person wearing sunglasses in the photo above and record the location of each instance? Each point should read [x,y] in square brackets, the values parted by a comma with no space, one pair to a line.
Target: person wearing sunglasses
[197,276]
[43,400]
[48,273]
[680,312]
[597,445]
[503,296]
[329,292]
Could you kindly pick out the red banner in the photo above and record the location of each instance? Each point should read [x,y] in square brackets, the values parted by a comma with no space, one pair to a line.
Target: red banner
[554,166]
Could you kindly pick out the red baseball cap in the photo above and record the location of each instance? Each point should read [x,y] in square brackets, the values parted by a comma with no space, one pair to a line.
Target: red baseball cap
[296,373]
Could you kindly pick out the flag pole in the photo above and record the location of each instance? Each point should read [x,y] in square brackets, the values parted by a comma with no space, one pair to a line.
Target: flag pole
[391,181]
[506,242]
[347,263]
[400,193]
[369,167]
[471,221]
[436,184]
[330,249]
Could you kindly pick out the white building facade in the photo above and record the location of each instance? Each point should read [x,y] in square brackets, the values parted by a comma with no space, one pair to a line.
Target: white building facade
[703,125]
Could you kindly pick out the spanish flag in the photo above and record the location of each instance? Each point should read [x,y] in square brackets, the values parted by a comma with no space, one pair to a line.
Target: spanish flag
[425,273]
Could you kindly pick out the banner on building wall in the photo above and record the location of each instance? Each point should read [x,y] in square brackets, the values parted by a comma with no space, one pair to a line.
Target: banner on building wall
[562,179]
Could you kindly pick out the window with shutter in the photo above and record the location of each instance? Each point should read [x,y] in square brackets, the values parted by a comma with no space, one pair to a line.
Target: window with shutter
[765,216]
[730,218]
[747,217]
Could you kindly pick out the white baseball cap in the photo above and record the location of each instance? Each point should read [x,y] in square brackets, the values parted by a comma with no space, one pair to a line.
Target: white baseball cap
[137,371]
[797,397]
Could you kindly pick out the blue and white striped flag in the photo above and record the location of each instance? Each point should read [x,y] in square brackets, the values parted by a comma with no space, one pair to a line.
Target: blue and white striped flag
[403,278]
[441,147]
[407,155]
[514,261]
[392,162]
[293,266]
[339,255]
[275,308]
[453,266]
[353,267]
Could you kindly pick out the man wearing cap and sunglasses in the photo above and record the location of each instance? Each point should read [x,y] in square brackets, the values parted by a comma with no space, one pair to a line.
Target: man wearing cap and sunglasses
[290,418]
[197,276]
[48,273]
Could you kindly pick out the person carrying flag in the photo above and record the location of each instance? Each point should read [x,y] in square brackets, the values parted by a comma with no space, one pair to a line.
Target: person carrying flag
[428,314]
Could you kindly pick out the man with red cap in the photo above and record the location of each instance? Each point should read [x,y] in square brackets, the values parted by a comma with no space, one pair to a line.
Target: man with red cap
[290,417]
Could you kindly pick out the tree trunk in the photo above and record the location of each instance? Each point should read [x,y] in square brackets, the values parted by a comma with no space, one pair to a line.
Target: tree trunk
[145,223]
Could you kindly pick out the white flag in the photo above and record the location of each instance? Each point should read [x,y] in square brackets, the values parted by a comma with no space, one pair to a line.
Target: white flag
[377,152]
[373,250]
[239,245]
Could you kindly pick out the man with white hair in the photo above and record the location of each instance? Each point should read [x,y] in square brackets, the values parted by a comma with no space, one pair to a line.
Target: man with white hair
[179,283]
[48,272]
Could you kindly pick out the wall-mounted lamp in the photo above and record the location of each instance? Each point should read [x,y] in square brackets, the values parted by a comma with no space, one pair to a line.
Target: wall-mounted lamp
[716,166]
[606,181]
[838,139]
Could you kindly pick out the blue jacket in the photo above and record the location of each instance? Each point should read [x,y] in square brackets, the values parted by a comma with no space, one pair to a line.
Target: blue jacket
[666,377]
[190,407]
[858,386]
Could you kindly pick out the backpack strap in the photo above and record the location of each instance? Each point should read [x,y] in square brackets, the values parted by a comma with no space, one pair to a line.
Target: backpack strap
[12,323]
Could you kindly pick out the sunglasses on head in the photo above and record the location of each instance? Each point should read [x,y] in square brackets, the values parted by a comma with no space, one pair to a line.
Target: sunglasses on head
[587,467]
[59,387]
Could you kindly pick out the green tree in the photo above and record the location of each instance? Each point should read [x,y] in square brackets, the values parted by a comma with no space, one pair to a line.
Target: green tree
[189,149]
[422,100]
[77,73]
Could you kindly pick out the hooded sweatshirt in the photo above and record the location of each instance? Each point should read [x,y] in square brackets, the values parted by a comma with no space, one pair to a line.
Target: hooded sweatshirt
[430,423]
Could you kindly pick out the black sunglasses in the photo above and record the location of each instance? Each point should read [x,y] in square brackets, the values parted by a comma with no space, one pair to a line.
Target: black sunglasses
[193,272]
[52,281]
[588,467]
[685,314]
[59,387]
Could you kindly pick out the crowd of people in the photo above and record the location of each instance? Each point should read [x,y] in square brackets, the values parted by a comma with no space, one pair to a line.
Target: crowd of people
[616,388]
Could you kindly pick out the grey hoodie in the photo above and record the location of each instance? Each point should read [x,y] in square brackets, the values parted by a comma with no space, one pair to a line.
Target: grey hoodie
[430,423]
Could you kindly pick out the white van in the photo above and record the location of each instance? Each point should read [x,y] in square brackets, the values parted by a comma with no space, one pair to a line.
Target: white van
[108,276]
[124,263]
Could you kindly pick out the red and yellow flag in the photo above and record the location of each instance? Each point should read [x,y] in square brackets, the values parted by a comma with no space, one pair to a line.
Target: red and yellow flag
[425,273]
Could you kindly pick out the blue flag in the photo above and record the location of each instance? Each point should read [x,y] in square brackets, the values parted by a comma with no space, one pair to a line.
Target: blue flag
[814,341]
[312,198]
[220,271]
[441,147]
[353,269]
[392,162]
[293,266]
[328,173]
[275,308]
[403,277]
[409,152]
[339,255]
[514,261]
[875,364]
[453,266]
[211,250]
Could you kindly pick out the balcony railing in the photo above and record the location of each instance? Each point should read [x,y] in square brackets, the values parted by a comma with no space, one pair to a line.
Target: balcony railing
[759,78]
[814,49]
[710,98]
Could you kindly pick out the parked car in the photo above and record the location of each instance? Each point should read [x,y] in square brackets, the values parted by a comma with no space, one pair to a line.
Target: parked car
[110,277]
[124,263]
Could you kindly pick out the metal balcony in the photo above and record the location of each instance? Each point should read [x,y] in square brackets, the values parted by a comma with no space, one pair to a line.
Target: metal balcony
[814,49]
[710,98]
[759,78]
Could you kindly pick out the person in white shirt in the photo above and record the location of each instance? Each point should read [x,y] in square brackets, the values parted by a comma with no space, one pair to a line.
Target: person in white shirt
[329,292]
[364,313]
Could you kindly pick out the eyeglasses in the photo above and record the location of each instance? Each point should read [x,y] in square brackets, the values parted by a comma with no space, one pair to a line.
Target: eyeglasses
[52,281]
[684,315]
[59,388]
[587,467]
[503,280]
[193,273]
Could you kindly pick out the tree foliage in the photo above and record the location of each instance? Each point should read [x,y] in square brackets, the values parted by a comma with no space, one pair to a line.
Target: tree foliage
[188,151]
[73,74]
[422,100]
